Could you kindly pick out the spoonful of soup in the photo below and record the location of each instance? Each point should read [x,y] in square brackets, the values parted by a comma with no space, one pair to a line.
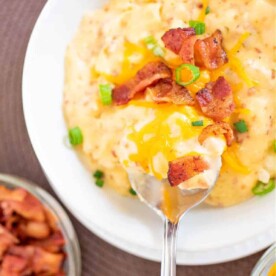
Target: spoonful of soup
[190,180]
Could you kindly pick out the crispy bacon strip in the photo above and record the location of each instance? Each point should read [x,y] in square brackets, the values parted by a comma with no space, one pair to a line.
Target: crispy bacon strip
[34,229]
[209,52]
[52,244]
[14,266]
[7,194]
[29,208]
[147,76]
[187,50]
[6,240]
[216,99]
[217,129]
[22,203]
[39,260]
[167,90]
[185,168]
[174,38]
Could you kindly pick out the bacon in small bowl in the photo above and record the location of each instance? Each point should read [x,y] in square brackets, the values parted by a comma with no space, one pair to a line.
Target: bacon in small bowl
[34,232]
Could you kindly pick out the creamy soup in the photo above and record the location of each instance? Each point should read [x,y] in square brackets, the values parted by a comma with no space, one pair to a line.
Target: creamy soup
[109,48]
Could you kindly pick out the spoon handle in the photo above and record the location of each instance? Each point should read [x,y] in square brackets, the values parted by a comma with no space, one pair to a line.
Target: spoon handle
[168,267]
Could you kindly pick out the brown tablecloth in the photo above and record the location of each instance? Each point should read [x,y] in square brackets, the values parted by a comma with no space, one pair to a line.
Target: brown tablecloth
[17,18]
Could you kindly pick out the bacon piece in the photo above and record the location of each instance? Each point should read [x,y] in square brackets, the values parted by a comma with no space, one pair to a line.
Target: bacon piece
[185,168]
[187,50]
[209,52]
[174,38]
[52,244]
[217,129]
[14,266]
[16,194]
[51,220]
[216,99]
[6,240]
[21,202]
[147,76]
[39,260]
[29,208]
[34,229]
[167,90]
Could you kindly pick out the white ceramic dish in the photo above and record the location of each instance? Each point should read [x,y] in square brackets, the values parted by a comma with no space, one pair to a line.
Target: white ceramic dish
[207,236]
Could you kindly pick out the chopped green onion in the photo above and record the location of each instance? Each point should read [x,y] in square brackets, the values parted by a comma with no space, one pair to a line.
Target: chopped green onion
[194,70]
[274,145]
[105,94]
[99,183]
[197,123]
[198,26]
[98,174]
[207,11]
[264,188]
[152,44]
[158,51]
[241,126]
[132,192]
[75,136]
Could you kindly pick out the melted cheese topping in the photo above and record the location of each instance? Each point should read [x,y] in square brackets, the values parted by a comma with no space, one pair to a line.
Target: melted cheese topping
[171,124]
[168,134]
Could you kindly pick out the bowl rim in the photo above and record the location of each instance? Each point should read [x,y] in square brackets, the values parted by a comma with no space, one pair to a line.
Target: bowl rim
[72,247]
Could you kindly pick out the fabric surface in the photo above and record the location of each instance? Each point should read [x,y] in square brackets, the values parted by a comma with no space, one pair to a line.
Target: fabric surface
[17,18]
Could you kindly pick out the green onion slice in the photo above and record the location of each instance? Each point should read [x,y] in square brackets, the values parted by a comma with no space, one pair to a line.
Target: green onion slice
[264,188]
[198,26]
[75,136]
[274,145]
[132,192]
[99,183]
[158,51]
[241,126]
[98,174]
[194,70]
[152,44]
[105,94]
[207,11]
[197,123]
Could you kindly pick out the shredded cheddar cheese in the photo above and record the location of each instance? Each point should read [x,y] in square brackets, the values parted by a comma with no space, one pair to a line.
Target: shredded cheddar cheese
[203,10]
[135,57]
[157,137]
[235,64]
[231,159]
[200,83]
[239,44]
[237,67]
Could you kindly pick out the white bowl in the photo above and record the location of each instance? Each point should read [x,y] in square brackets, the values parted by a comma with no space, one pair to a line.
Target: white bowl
[208,235]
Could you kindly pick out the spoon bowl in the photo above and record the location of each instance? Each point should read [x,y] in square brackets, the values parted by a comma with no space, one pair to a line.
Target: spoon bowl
[171,203]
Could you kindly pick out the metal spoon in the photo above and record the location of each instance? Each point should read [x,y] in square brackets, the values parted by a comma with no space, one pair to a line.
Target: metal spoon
[171,203]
